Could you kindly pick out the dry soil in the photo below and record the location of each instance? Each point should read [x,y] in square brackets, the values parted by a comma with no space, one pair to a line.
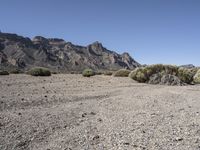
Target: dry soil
[71,112]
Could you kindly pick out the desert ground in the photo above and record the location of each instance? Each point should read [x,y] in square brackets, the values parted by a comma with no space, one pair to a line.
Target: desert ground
[71,112]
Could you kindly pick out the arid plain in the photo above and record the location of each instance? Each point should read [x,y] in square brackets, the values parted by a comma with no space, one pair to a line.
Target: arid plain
[71,112]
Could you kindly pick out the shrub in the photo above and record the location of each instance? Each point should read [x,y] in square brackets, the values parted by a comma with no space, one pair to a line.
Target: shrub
[88,73]
[196,78]
[108,73]
[121,73]
[139,74]
[2,72]
[39,71]
[16,71]
[186,75]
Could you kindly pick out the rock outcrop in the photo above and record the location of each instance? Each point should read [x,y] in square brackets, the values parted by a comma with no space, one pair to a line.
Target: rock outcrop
[57,54]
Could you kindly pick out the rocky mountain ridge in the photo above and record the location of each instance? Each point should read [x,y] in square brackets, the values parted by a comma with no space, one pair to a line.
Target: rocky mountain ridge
[57,54]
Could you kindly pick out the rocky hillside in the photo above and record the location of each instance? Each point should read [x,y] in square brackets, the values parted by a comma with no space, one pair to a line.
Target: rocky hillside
[59,55]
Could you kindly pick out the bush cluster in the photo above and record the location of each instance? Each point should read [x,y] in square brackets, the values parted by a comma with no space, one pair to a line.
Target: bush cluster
[143,74]
[39,71]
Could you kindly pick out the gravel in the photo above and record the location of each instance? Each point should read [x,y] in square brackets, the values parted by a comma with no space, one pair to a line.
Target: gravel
[70,112]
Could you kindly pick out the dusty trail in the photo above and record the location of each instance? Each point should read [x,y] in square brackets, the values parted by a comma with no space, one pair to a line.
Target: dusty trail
[70,112]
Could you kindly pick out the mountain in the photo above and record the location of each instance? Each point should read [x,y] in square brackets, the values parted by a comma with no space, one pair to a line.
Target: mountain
[23,53]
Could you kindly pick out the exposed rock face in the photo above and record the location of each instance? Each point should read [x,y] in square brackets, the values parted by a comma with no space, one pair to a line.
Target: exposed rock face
[57,54]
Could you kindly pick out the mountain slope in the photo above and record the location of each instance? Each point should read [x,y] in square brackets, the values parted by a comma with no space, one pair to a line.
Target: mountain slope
[57,54]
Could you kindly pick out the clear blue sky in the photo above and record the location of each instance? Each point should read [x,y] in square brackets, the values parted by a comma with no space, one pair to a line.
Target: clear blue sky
[152,31]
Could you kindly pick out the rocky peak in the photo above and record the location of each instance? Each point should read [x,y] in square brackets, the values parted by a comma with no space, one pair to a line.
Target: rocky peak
[97,45]
[96,48]
[39,39]
[125,54]
[14,38]
[56,40]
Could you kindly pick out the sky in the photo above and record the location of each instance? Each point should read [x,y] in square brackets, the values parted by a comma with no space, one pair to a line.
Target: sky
[152,31]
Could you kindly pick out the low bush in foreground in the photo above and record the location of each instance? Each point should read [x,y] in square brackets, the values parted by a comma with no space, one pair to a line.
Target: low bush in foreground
[2,72]
[121,73]
[197,77]
[88,73]
[39,71]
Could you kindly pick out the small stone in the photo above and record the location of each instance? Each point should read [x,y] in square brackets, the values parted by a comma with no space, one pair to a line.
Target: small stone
[179,139]
[96,137]
[84,114]
[100,120]
[93,113]
[126,143]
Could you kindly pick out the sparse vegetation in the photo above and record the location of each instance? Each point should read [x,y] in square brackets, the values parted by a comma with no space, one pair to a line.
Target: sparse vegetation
[16,71]
[108,73]
[121,73]
[98,73]
[88,73]
[197,77]
[3,72]
[39,71]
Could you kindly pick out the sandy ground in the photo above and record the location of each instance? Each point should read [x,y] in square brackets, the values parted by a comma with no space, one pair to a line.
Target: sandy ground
[70,112]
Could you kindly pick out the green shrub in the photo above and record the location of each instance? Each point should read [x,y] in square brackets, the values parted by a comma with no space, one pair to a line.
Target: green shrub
[39,71]
[2,72]
[196,78]
[121,73]
[88,73]
[186,75]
